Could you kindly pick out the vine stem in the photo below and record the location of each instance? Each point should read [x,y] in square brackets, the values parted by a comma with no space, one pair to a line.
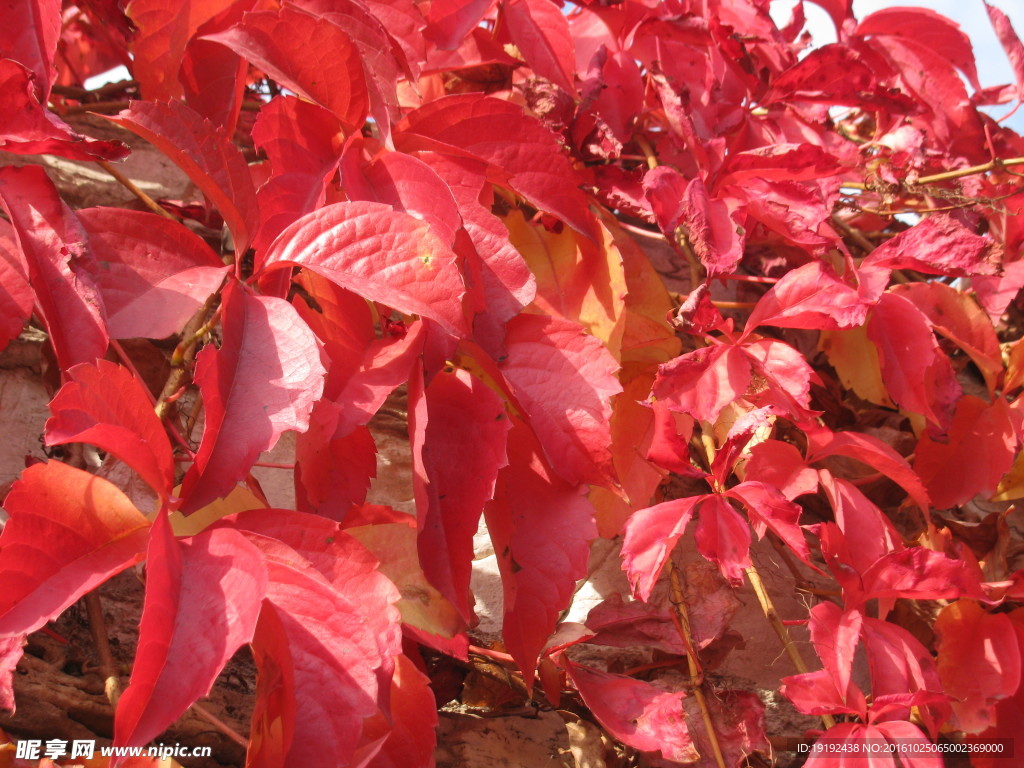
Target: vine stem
[98,629]
[682,616]
[128,184]
[220,725]
[768,608]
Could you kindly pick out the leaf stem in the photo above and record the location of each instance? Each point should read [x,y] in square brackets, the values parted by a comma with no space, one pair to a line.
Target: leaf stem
[128,184]
[768,608]
[98,629]
[682,616]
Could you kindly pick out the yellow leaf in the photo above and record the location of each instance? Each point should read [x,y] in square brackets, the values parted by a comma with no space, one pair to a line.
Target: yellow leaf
[239,500]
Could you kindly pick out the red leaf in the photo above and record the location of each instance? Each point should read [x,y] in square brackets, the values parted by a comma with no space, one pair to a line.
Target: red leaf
[415,273]
[815,693]
[507,282]
[868,532]
[386,364]
[30,129]
[901,665]
[768,509]
[782,466]
[939,245]
[213,77]
[502,134]
[332,473]
[958,317]
[61,268]
[16,298]
[203,597]
[916,372]
[636,713]
[723,537]
[838,76]
[10,655]
[69,531]
[701,383]
[412,738]
[1011,44]
[155,273]
[979,662]
[670,443]
[921,574]
[324,648]
[30,34]
[565,380]
[901,732]
[383,57]
[343,323]
[105,405]
[404,182]
[665,189]
[927,28]
[541,528]
[541,33]
[981,448]
[650,536]
[782,378]
[813,296]
[260,383]
[449,21]
[871,451]
[302,143]
[159,46]
[205,154]
[458,429]
[307,54]
[793,162]
[714,233]
[835,634]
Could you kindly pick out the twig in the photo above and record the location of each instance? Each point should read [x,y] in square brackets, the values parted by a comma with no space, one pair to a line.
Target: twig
[104,107]
[128,184]
[768,608]
[991,165]
[220,725]
[187,354]
[682,622]
[98,629]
